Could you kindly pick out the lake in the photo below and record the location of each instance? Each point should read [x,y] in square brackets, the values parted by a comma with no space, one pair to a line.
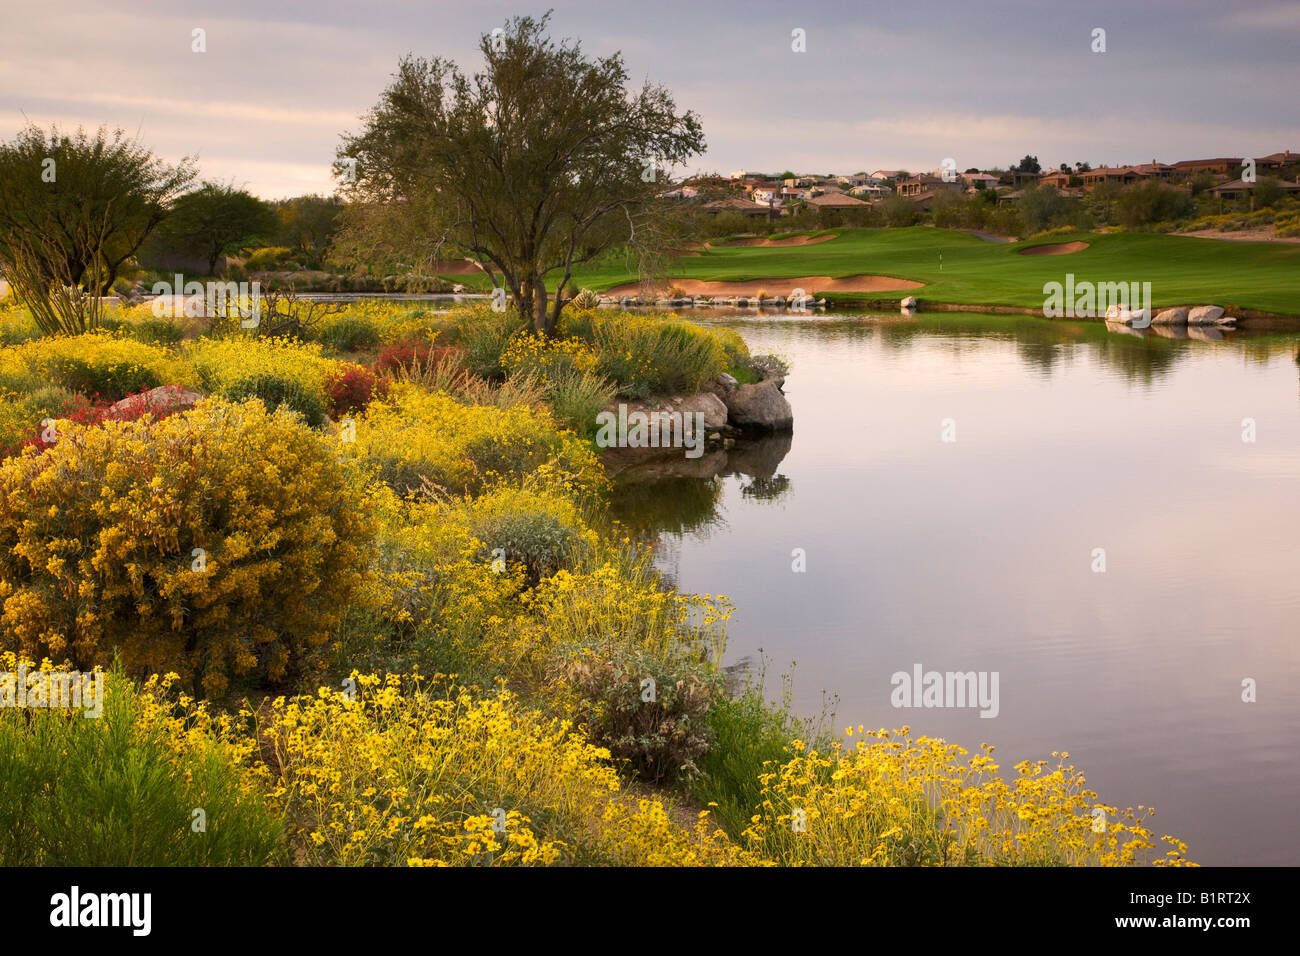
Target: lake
[980,553]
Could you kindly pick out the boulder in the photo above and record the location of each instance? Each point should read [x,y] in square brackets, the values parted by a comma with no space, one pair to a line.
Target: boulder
[162,400]
[727,381]
[1170,317]
[759,407]
[715,412]
[1205,315]
[909,302]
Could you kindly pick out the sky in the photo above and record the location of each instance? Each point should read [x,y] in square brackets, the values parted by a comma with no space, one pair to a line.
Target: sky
[878,85]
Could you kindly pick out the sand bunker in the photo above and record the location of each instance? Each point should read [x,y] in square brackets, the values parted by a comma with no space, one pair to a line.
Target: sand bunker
[454,267]
[809,284]
[792,241]
[1055,249]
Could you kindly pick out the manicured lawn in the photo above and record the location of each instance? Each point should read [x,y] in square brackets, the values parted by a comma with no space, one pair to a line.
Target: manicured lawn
[1181,270]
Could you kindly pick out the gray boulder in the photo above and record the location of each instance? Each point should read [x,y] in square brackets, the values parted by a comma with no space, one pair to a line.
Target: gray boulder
[1205,315]
[759,407]
[1170,317]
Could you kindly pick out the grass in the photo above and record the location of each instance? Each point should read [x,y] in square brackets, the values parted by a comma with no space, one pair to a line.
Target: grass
[1182,270]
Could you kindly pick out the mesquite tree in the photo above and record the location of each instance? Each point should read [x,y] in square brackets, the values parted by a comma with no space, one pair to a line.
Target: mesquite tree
[539,162]
[73,209]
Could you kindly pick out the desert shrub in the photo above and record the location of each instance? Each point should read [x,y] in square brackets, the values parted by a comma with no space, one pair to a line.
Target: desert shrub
[120,789]
[222,542]
[270,257]
[541,531]
[418,777]
[16,323]
[154,330]
[749,736]
[351,388]
[531,354]
[649,355]
[892,800]
[648,710]
[278,371]
[485,335]
[21,415]
[79,410]
[95,364]
[414,436]
[409,354]
[278,390]
[578,397]
[350,332]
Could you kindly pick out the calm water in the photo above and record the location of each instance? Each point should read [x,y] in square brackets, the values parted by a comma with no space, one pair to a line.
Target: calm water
[978,554]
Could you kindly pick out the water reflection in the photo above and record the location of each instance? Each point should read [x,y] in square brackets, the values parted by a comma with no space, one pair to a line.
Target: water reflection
[976,555]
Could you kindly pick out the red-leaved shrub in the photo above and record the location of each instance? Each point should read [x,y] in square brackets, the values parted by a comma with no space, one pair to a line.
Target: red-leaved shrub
[85,412]
[352,388]
[412,352]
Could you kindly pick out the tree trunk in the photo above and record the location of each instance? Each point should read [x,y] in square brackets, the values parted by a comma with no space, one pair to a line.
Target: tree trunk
[540,318]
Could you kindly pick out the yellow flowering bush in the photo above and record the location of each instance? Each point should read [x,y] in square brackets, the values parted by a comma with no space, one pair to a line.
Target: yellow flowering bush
[93,364]
[532,354]
[895,800]
[416,436]
[219,542]
[401,775]
[278,371]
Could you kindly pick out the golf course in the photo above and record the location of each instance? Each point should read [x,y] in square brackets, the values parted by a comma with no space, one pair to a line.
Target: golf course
[958,268]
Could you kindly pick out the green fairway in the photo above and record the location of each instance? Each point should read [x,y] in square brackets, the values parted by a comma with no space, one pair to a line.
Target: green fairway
[1181,270]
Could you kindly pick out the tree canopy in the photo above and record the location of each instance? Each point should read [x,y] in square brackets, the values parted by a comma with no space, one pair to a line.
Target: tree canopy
[541,161]
[213,220]
[75,208]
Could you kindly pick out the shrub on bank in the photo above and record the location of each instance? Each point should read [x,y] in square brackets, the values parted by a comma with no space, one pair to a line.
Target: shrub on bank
[416,436]
[121,789]
[895,800]
[220,543]
[410,776]
[649,355]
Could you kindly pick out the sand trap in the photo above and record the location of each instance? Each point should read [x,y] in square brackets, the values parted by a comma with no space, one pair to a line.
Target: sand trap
[792,241]
[454,267]
[810,285]
[1055,249]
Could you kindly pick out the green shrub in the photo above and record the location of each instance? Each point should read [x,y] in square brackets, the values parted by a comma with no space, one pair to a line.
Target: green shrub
[277,389]
[350,332]
[485,336]
[578,397]
[121,789]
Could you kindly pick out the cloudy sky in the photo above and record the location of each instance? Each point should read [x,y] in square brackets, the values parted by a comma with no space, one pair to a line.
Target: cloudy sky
[881,85]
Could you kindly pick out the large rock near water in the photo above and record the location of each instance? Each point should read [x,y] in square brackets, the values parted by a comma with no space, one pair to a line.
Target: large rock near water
[1170,317]
[1205,315]
[759,407]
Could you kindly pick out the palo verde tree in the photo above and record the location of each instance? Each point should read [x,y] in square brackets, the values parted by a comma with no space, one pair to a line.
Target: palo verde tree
[75,208]
[539,162]
[214,220]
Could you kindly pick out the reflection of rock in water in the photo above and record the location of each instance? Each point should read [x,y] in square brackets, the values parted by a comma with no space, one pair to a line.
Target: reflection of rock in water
[662,491]
[1170,331]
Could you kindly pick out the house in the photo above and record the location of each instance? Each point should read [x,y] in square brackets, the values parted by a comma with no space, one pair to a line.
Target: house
[870,190]
[835,201]
[1057,179]
[882,174]
[768,192]
[924,183]
[742,206]
[1153,170]
[979,180]
[681,192]
[1023,177]
[1124,175]
[1236,189]
[1220,167]
[1274,161]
